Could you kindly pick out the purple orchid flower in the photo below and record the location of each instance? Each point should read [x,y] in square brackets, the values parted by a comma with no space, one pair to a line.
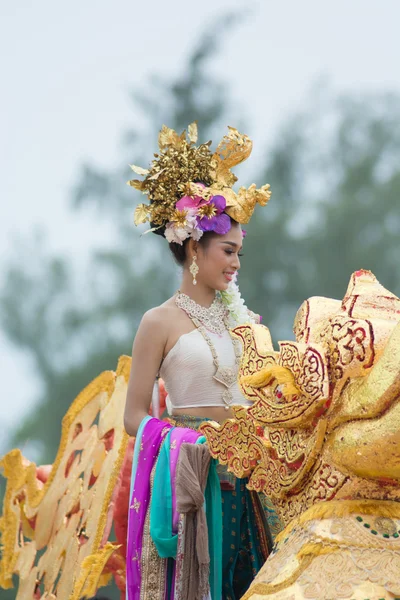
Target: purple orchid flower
[219,221]
[210,213]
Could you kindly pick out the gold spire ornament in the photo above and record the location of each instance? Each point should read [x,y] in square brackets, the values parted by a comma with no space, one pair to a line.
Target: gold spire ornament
[190,188]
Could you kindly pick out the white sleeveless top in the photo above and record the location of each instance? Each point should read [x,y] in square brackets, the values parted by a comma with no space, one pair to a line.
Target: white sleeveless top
[188,371]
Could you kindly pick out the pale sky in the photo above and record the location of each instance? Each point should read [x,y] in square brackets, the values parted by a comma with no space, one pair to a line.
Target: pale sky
[65,75]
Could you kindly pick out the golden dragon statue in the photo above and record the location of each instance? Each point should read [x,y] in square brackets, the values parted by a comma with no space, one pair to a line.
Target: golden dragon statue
[322,442]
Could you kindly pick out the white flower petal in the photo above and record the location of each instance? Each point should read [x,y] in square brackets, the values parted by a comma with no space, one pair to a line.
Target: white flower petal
[170,234]
[196,234]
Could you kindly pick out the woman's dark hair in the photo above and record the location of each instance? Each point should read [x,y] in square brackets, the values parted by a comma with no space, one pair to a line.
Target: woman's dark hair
[179,252]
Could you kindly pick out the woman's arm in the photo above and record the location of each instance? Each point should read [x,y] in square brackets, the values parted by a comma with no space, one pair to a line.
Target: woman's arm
[147,354]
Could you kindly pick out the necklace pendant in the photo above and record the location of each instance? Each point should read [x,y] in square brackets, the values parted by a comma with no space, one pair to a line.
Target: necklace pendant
[226,375]
[227,398]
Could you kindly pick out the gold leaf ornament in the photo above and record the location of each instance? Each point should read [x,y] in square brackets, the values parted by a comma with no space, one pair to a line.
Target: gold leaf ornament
[137,184]
[169,137]
[181,164]
[179,217]
[141,214]
[139,170]
[233,149]
[241,206]
[193,132]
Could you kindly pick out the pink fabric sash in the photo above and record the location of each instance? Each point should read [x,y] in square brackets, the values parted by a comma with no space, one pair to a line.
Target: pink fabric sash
[150,443]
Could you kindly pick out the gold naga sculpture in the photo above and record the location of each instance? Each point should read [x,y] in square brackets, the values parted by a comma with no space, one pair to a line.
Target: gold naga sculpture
[322,441]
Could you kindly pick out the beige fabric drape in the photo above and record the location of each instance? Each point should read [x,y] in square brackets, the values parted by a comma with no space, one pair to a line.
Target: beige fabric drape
[191,479]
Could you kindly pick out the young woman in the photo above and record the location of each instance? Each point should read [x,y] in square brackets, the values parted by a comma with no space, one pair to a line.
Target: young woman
[187,342]
[171,340]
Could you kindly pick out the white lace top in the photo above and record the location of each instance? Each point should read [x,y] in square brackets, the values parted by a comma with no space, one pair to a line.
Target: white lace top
[188,371]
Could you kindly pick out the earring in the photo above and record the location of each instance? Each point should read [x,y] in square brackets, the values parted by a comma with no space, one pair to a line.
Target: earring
[194,269]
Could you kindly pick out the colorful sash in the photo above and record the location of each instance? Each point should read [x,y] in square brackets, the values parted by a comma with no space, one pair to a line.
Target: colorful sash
[153,434]
[246,539]
[238,533]
[163,504]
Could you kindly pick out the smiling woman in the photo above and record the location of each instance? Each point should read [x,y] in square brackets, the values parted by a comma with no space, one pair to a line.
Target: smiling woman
[213,252]
[187,342]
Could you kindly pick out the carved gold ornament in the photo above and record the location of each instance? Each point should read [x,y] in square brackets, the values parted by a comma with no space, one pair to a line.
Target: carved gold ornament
[56,521]
[323,439]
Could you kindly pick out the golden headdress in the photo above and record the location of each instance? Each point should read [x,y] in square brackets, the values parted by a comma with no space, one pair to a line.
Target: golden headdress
[190,188]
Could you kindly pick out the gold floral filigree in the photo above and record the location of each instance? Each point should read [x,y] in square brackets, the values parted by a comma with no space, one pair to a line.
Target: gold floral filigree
[308,368]
[68,518]
[258,353]
[235,443]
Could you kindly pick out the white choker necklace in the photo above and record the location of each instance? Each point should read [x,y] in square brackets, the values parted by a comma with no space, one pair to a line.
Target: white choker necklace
[213,318]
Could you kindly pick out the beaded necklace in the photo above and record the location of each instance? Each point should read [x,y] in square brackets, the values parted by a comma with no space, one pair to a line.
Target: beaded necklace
[214,319]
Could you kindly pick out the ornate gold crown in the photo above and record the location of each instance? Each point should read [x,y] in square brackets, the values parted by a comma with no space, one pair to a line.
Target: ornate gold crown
[183,171]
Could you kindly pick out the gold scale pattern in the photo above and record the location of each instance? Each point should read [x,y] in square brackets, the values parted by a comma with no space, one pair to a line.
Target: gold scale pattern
[321,439]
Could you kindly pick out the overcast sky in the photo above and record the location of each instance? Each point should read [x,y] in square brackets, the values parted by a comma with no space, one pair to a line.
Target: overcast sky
[66,70]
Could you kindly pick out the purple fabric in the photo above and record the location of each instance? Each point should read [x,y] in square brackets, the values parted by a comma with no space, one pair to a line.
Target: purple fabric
[178,437]
[152,438]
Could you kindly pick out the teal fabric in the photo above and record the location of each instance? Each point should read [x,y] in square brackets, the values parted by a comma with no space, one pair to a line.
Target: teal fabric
[214,523]
[161,505]
[274,523]
[242,550]
[242,555]
[236,549]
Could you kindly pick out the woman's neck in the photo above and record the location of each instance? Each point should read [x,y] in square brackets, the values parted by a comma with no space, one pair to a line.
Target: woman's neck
[200,293]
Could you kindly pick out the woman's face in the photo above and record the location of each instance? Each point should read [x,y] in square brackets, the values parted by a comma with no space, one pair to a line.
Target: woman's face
[219,259]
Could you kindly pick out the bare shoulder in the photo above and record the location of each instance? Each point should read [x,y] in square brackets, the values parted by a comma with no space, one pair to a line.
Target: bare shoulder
[152,332]
[152,319]
[159,316]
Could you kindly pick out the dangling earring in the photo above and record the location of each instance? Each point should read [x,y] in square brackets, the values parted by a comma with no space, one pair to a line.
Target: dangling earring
[194,269]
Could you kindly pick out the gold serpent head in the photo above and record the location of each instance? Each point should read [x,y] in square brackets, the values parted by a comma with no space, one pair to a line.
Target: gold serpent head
[326,408]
